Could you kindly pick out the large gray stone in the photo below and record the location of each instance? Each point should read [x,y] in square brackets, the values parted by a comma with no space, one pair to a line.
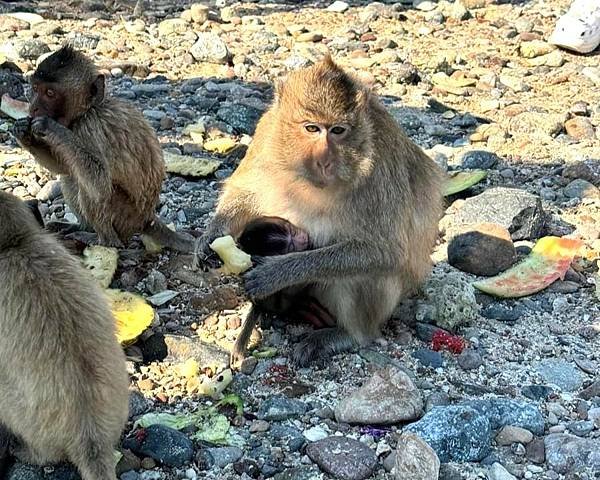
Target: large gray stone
[503,411]
[567,453]
[457,433]
[343,457]
[387,397]
[518,211]
[564,375]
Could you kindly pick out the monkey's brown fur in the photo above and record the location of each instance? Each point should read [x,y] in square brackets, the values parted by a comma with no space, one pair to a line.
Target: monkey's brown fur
[369,202]
[62,372]
[108,156]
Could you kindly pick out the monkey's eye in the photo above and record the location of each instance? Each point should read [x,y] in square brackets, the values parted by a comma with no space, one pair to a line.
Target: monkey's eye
[338,130]
[50,93]
[311,128]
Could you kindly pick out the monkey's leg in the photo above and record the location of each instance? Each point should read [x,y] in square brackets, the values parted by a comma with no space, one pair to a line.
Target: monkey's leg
[94,462]
[5,438]
[321,345]
[180,241]
[241,343]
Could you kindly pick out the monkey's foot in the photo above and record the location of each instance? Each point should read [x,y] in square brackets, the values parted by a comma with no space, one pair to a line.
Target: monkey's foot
[319,346]
[311,311]
[64,228]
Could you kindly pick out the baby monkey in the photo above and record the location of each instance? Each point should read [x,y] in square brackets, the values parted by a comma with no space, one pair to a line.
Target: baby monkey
[267,236]
[62,372]
[108,157]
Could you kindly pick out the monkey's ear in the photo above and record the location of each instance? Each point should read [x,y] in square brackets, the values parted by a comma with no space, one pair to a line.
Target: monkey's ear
[98,89]
[328,61]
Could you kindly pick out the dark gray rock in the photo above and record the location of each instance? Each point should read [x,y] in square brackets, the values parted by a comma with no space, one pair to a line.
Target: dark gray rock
[12,84]
[516,210]
[281,408]
[536,392]
[344,458]
[479,159]
[241,117]
[580,188]
[564,375]
[503,313]
[224,456]
[163,444]
[32,48]
[566,453]
[503,411]
[457,433]
[138,404]
[428,357]
[469,359]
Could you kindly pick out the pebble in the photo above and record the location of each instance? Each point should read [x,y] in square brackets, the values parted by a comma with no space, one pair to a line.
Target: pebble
[581,429]
[536,392]
[172,26]
[209,48]
[388,397]
[415,459]
[535,48]
[581,189]
[338,6]
[457,433]
[498,472]
[469,359]
[567,453]
[564,375]
[315,434]
[199,13]
[479,159]
[482,249]
[278,408]
[536,451]
[590,392]
[343,457]
[510,434]
[503,411]
[224,456]
[428,357]
[580,128]
[163,444]
[518,211]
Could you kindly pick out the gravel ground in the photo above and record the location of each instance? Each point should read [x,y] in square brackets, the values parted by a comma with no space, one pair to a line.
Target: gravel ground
[521,401]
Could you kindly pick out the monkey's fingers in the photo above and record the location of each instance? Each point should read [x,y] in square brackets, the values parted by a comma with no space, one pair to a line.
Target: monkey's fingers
[311,311]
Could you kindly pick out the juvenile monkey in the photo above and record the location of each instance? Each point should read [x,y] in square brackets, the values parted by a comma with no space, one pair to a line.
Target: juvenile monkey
[266,236]
[62,372]
[331,160]
[108,156]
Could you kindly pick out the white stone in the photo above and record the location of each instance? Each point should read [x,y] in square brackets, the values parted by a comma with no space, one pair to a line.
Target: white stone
[338,6]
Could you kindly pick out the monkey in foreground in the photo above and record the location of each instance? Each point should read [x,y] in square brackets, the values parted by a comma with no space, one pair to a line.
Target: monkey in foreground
[331,160]
[266,236]
[62,372]
[107,155]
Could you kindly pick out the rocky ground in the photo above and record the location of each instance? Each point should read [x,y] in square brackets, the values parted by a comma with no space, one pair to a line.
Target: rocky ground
[474,83]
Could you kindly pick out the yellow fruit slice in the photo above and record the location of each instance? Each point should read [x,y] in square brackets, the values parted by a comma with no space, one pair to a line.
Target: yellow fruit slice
[132,314]
[548,261]
[235,260]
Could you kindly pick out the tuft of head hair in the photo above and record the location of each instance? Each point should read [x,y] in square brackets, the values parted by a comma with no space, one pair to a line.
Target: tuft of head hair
[66,65]
[323,89]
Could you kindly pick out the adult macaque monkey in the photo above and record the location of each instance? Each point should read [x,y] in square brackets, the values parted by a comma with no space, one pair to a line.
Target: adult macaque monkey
[331,160]
[62,372]
[107,155]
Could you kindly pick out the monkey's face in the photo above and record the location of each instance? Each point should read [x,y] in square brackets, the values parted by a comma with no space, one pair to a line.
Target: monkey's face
[47,101]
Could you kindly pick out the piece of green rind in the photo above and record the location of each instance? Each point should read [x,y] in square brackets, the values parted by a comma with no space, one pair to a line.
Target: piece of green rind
[462,180]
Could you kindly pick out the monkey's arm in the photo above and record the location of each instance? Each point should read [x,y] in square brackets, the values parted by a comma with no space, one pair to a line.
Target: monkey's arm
[347,258]
[39,149]
[92,171]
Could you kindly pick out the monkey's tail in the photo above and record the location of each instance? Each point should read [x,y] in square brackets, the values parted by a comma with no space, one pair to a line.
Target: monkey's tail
[179,241]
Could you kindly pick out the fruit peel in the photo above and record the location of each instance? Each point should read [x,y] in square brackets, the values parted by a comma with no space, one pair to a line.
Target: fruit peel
[235,260]
[461,180]
[548,261]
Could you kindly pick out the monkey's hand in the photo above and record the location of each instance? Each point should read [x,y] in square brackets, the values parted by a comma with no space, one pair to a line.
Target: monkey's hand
[46,129]
[22,131]
[264,279]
